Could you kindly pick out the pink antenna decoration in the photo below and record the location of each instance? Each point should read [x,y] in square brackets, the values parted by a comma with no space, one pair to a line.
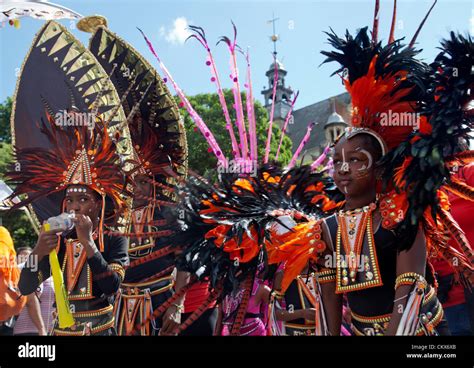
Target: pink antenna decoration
[319,161]
[272,111]
[251,112]
[236,91]
[194,115]
[301,146]
[285,125]
[200,35]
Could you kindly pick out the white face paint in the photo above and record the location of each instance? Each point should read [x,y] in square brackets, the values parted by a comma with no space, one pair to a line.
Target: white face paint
[345,190]
[345,164]
[369,157]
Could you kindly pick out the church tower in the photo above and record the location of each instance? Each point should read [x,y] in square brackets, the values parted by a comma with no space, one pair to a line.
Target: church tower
[335,124]
[283,93]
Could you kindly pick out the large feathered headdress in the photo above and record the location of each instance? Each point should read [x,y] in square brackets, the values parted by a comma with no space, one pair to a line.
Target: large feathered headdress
[68,126]
[76,156]
[384,82]
[157,132]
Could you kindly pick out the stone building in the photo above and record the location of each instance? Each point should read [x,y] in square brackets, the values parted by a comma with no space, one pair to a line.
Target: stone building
[330,115]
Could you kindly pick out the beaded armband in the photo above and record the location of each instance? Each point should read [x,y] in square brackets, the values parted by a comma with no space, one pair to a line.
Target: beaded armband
[326,275]
[115,267]
[179,308]
[417,298]
[409,278]
[277,294]
[40,277]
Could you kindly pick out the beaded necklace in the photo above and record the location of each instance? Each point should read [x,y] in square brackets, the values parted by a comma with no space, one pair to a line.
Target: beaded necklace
[353,225]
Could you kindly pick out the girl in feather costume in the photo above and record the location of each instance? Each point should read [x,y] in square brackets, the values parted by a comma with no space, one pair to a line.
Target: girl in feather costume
[395,216]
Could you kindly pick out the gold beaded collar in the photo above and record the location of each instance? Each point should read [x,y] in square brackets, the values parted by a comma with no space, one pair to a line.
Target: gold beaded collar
[372,206]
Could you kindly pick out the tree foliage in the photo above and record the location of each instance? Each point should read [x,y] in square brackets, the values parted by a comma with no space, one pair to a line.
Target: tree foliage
[16,222]
[208,107]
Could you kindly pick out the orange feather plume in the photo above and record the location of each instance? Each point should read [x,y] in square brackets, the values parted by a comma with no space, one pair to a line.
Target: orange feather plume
[377,100]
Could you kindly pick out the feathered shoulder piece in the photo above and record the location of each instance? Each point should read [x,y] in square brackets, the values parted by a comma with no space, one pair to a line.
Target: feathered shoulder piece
[227,223]
[226,226]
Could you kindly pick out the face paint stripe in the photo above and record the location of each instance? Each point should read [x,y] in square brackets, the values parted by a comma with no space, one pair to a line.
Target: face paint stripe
[369,157]
[345,164]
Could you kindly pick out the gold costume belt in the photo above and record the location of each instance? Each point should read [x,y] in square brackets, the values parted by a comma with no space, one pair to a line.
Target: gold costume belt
[80,328]
[148,288]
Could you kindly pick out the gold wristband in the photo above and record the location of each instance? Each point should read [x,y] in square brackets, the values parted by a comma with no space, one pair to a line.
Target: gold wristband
[408,278]
[179,308]
[277,294]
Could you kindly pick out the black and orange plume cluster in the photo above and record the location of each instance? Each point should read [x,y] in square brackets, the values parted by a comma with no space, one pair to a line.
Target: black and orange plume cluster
[424,164]
[227,226]
[384,82]
[380,79]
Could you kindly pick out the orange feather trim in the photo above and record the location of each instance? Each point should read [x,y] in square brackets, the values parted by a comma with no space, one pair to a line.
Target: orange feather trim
[460,188]
[296,248]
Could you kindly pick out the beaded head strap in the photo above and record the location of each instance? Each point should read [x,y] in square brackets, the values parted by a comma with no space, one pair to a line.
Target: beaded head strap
[351,132]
